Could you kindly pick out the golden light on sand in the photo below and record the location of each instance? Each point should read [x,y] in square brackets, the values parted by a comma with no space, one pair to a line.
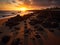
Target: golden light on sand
[23,9]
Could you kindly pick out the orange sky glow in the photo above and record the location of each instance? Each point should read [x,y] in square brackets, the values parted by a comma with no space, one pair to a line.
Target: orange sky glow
[28,4]
[5,6]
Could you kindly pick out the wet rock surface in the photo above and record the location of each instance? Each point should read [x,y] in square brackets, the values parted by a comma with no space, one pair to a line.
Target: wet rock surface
[13,21]
[16,42]
[35,28]
[5,40]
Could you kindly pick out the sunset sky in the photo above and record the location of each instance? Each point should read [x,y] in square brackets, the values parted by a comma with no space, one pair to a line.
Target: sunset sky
[29,4]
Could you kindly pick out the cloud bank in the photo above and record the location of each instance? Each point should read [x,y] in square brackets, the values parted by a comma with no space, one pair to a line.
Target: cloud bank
[33,3]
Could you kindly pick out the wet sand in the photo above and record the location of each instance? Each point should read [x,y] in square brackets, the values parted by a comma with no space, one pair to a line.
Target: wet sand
[28,34]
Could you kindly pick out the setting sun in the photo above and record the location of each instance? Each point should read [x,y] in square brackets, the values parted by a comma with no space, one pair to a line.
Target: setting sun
[23,9]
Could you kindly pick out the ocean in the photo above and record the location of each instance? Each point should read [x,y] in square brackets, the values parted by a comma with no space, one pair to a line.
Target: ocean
[4,14]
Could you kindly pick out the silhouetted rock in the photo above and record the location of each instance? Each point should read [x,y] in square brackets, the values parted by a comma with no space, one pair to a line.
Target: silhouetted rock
[25,17]
[36,26]
[15,33]
[1,32]
[16,18]
[37,36]
[33,38]
[40,29]
[33,22]
[17,28]
[25,27]
[16,42]
[14,21]
[26,31]
[5,39]
[50,25]
[51,30]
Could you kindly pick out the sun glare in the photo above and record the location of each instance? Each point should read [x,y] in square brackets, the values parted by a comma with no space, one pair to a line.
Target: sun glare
[23,9]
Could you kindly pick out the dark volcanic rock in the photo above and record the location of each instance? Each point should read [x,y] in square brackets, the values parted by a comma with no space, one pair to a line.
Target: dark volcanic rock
[17,28]
[34,22]
[40,29]
[51,30]
[5,39]
[1,32]
[16,42]
[26,31]
[50,25]
[37,36]
[33,38]
[14,21]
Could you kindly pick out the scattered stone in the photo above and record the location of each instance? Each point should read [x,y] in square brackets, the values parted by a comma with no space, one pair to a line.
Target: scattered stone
[37,36]
[51,30]
[26,31]
[25,27]
[50,25]
[17,28]
[40,29]
[13,21]
[15,33]
[33,22]
[5,39]
[16,42]
[33,38]
[1,32]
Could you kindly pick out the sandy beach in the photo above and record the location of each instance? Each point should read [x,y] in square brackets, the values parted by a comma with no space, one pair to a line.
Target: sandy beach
[27,30]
